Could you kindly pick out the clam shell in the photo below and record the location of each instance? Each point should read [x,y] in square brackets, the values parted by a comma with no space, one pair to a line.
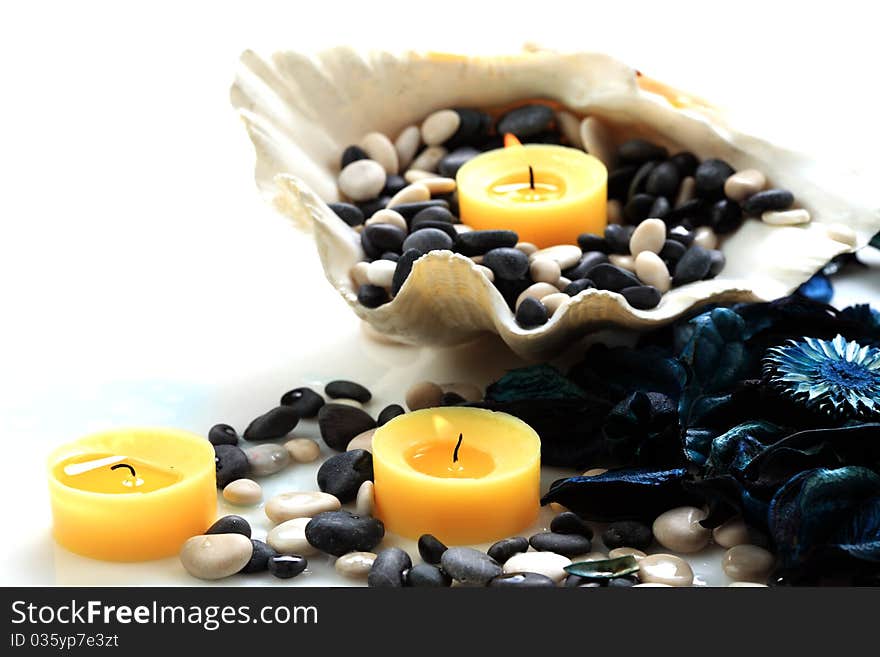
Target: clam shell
[302,110]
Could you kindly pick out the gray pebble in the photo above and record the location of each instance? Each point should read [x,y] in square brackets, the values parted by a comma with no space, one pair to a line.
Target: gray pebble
[424,575]
[267,459]
[388,568]
[340,532]
[565,544]
[468,566]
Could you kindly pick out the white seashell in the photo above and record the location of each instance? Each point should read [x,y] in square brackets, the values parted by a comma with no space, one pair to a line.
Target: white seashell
[301,111]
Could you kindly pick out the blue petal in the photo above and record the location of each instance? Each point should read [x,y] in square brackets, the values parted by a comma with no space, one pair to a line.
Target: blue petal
[818,288]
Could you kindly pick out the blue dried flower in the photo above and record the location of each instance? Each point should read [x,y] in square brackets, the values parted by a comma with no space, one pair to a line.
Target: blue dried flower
[839,377]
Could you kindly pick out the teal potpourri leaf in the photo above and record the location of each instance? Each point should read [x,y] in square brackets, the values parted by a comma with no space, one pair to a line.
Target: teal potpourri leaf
[604,568]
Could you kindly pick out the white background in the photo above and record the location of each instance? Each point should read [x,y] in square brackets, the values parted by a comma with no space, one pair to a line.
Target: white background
[143,280]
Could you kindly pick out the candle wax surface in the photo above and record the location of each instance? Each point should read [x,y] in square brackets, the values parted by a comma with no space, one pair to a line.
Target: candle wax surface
[436,459]
[96,473]
[515,189]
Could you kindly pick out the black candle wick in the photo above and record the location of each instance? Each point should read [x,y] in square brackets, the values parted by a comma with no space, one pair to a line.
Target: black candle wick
[531,177]
[457,445]
[124,465]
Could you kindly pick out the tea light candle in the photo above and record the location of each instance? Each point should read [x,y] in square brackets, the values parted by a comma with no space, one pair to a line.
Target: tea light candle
[132,494]
[466,475]
[547,194]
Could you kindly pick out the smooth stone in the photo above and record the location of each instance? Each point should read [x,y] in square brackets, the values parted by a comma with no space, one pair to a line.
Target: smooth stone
[387,217]
[429,158]
[769,199]
[230,524]
[731,533]
[569,522]
[424,575]
[617,237]
[747,563]
[381,237]
[355,565]
[350,214]
[636,151]
[623,261]
[230,463]
[287,566]
[608,277]
[507,263]
[568,545]
[381,150]
[473,128]
[439,126]
[842,233]
[531,313]
[725,216]
[686,162]
[362,180]
[649,235]
[626,552]
[342,474]
[686,191]
[704,236]
[358,273]
[352,154]
[504,549]
[544,563]
[428,239]
[786,217]
[629,533]
[710,177]
[680,530]
[655,585]
[409,210]
[747,585]
[565,255]
[718,262]
[363,501]
[637,184]
[576,287]
[216,556]
[642,297]
[661,208]
[555,301]
[638,208]
[354,403]
[305,401]
[414,193]
[340,423]
[290,537]
[393,184]
[521,580]
[260,556]
[407,145]
[393,257]
[596,140]
[665,569]
[340,532]
[362,441]
[452,162]
[431,548]
[591,242]
[651,270]
[222,434]
[586,263]
[588,556]
[577,582]
[267,459]
[526,121]
[619,181]
[536,291]
[425,394]
[663,180]
[388,413]
[614,212]
[468,566]
[478,242]
[672,252]
[299,504]
[468,391]
[371,206]
[682,235]
[243,492]
[303,450]
[439,185]
[347,389]
[570,127]
[388,568]
[693,266]
[526,247]
[276,423]
[403,269]
[432,214]
[595,472]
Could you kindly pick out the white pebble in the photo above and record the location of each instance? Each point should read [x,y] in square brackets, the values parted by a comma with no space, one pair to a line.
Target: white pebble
[485,271]
[680,530]
[565,255]
[731,533]
[744,585]
[300,504]
[570,128]
[562,282]
[290,537]
[267,459]
[596,140]
[387,216]
[381,272]
[362,180]
[477,259]
[649,235]
[363,505]
[346,400]
[589,556]
[414,193]
[555,301]
[215,556]
[380,149]
[407,145]
[595,472]
[651,270]
[536,291]
[355,565]
[747,563]
[526,247]
[786,217]
[842,233]
[686,191]
[429,158]
[623,261]
[743,184]
[462,228]
[243,492]
[705,237]
[440,126]
[544,563]
[417,175]
[545,270]
[614,211]
[303,450]
[638,555]
[362,441]
[665,569]
[438,185]
[358,273]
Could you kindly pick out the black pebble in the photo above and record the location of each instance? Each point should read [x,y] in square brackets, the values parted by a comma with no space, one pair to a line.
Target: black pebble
[693,266]
[710,177]
[569,522]
[660,208]
[578,582]
[507,263]
[642,297]
[389,413]
[433,214]
[431,548]
[230,525]
[428,239]
[452,162]
[388,568]
[478,242]
[424,575]
[222,434]
[409,210]
[618,237]
[622,582]
[695,211]
[285,566]
[637,185]
[451,399]
[259,557]
[521,580]
[638,208]
[305,401]
[582,269]
[276,423]
[350,214]
[384,237]
[403,269]
[372,296]
[393,257]
[473,125]
[341,389]
[610,277]
[339,423]
[531,313]
[619,180]
[565,544]
[342,474]
[393,184]
[681,235]
[511,289]
[718,262]
[636,151]
[578,286]
[725,216]
[672,251]
[372,251]
[231,464]
[352,154]
[627,533]
[341,532]
[371,207]
[526,121]
[686,163]
[592,242]
[502,550]
[769,199]
[546,137]
[444,226]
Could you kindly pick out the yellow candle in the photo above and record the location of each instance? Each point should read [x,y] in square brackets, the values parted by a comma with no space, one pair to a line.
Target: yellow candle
[547,194]
[132,494]
[466,475]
